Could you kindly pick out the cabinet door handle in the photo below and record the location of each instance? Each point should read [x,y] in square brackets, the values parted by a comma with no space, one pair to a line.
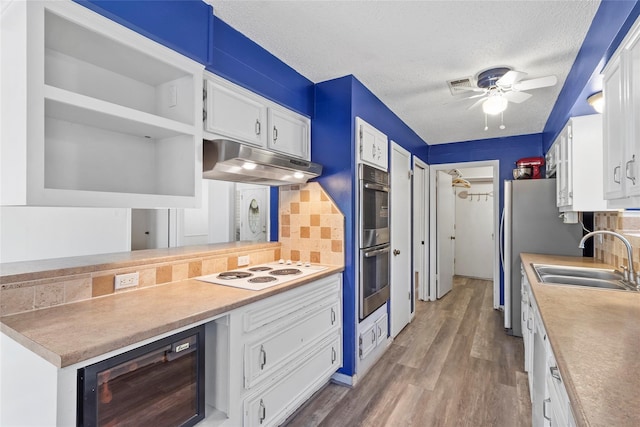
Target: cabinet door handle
[379,331]
[262,411]
[263,357]
[632,178]
[529,327]
[554,373]
[258,127]
[373,336]
[544,409]
[333,355]
[523,313]
[616,172]
[204,114]
[333,316]
[275,134]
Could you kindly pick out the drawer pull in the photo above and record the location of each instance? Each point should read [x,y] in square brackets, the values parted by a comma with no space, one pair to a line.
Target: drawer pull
[262,411]
[529,327]
[333,355]
[263,357]
[333,316]
[544,409]
[554,373]
[258,130]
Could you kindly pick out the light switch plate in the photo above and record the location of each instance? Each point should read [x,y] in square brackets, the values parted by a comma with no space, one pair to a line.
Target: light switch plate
[126,280]
[243,260]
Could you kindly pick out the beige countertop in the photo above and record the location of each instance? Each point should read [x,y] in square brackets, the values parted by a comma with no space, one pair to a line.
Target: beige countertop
[48,268]
[595,337]
[72,333]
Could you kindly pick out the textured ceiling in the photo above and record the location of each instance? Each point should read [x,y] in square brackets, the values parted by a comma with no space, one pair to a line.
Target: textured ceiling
[405,51]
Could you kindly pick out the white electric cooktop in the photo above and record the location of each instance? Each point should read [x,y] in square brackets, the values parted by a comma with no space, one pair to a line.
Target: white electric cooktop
[259,277]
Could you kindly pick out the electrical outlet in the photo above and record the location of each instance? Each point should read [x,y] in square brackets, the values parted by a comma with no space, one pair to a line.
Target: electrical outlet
[243,260]
[126,280]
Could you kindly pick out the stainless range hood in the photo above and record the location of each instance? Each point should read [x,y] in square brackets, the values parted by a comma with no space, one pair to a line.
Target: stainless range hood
[231,161]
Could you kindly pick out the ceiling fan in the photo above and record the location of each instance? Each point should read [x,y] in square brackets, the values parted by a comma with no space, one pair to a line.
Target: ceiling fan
[500,85]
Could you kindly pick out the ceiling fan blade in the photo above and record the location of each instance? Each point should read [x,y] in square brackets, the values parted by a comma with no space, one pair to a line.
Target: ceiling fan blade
[536,83]
[510,78]
[475,104]
[516,97]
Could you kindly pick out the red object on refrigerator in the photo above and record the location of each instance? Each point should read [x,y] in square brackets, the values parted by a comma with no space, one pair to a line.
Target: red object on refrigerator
[535,163]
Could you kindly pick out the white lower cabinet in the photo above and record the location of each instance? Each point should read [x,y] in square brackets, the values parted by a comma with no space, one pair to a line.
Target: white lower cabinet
[549,400]
[272,404]
[280,351]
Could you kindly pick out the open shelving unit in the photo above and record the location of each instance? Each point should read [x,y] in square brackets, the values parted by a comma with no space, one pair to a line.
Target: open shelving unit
[109,117]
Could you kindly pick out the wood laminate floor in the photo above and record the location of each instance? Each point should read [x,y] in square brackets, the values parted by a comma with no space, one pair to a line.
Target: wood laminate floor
[453,365]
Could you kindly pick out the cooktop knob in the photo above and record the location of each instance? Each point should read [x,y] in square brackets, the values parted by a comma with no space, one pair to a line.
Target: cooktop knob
[281,261]
[288,262]
[299,263]
[307,264]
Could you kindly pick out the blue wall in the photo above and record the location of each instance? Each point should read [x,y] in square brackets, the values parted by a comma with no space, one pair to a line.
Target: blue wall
[337,103]
[185,26]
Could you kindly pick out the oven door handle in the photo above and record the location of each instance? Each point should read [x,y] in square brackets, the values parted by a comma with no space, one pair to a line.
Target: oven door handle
[378,187]
[376,252]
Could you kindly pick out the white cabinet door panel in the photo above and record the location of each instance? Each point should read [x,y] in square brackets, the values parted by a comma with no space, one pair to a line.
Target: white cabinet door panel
[235,114]
[268,354]
[273,405]
[289,133]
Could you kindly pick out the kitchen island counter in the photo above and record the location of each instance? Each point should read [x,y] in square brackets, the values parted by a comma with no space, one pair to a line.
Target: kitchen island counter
[76,332]
[595,337]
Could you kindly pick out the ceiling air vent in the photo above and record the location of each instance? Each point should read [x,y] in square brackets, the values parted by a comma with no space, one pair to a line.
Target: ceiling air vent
[461,82]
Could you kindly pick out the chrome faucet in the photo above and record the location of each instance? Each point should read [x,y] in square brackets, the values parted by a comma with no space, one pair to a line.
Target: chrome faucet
[629,275]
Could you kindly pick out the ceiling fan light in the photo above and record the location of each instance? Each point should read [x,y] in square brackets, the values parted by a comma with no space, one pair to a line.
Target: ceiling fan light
[494,105]
[596,100]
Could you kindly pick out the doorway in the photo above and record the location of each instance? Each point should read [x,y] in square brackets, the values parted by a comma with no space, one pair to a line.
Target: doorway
[492,186]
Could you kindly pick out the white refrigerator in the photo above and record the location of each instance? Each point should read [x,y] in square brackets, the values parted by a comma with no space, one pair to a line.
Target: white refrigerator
[531,223]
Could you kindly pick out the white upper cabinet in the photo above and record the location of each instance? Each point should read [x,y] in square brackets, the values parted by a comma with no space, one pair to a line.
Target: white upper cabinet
[372,146]
[579,165]
[94,114]
[289,133]
[239,114]
[621,86]
[235,112]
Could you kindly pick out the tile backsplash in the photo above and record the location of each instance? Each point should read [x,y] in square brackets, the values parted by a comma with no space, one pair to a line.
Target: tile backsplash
[311,225]
[30,294]
[610,249]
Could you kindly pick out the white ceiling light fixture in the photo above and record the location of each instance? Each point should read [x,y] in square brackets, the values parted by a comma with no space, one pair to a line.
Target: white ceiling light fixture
[596,100]
[495,104]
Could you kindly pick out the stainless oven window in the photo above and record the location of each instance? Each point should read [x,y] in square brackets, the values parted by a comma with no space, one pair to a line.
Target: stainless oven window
[374,278]
[374,207]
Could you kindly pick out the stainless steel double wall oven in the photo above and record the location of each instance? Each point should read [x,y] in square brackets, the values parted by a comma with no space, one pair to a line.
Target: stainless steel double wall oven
[374,238]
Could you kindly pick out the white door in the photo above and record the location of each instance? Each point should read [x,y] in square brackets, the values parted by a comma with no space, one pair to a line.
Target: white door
[253,214]
[445,233]
[400,201]
[420,229]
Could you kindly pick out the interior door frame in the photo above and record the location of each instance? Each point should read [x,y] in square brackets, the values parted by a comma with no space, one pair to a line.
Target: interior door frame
[420,217]
[433,170]
[395,286]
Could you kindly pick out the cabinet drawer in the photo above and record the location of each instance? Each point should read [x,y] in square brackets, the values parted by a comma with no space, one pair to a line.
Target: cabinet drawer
[293,305]
[268,354]
[273,405]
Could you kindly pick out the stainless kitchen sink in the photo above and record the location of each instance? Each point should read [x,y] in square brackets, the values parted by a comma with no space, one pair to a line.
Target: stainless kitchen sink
[580,276]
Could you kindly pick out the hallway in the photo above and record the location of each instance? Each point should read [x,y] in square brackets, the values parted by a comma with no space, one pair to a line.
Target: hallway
[453,365]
